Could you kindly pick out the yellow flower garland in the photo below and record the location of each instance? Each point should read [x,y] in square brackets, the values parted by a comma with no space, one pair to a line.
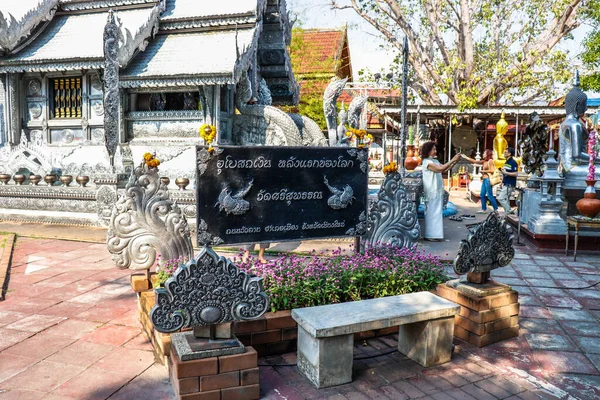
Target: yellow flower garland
[389,168]
[150,160]
[208,133]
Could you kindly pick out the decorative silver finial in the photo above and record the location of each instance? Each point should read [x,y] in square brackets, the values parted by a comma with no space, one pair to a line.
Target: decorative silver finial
[489,246]
[207,290]
[393,217]
[145,223]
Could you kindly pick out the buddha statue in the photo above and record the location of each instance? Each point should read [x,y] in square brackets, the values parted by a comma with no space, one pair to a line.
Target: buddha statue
[500,144]
[573,137]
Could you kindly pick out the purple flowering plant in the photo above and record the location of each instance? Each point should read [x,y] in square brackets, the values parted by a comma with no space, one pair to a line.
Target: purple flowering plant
[295,281]
[166,268]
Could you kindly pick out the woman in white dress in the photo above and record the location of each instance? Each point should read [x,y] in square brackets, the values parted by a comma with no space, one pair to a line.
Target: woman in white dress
[433,191]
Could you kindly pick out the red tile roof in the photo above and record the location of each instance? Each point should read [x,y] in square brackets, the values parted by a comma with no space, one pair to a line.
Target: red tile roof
[316,50]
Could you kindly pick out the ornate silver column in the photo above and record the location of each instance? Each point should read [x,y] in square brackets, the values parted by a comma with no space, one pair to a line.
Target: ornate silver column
[111,87]
[12,111]
[2,109]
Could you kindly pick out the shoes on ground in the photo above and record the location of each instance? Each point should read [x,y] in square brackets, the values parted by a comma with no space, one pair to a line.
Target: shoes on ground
[468,216]
[482,212]
[455,218]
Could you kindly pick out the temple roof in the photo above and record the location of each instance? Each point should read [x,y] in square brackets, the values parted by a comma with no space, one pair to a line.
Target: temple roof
[19,19]
[199,58]
[75,39]
[184,9]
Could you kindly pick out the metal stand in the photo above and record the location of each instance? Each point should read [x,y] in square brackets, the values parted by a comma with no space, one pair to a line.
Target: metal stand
[519,200]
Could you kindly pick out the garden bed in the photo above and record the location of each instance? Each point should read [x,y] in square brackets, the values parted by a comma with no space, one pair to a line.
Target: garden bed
[303,281]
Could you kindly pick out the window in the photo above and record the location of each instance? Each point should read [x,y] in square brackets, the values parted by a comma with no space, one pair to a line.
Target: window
[168,101]
[65,98]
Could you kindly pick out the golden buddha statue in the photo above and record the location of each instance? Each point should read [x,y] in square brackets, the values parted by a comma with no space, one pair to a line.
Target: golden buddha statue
[500,144]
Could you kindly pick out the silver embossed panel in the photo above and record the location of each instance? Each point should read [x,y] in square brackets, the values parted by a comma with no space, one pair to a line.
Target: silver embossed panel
[489,246]
[207,290]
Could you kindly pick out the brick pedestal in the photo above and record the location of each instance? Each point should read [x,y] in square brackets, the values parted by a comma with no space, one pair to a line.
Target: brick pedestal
[232,377]
[487,314]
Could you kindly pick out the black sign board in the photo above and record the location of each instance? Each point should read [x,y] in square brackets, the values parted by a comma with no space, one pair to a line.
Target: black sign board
[257,194]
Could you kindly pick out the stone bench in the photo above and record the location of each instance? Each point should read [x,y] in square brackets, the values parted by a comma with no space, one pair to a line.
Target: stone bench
[326,333]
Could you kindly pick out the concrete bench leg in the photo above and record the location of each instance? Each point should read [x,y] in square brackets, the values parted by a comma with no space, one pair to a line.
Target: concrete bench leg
[325,361]
[429,342]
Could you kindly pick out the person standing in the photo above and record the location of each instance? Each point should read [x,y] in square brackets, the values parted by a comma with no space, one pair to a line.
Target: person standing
[487,169]
[433,191]
[510,170]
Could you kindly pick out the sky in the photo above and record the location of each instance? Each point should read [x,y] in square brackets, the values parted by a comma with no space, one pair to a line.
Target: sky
[364,41]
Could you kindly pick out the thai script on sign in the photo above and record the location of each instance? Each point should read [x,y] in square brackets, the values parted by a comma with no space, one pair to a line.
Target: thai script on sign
[281,228]
[229,163]
[288,196]
[243,230]
[292,162]
[324,225]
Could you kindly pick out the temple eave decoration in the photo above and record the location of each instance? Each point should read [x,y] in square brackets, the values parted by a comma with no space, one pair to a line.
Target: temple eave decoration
[16,29]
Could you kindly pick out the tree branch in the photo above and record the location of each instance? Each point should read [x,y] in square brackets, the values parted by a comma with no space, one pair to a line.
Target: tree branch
[555,31]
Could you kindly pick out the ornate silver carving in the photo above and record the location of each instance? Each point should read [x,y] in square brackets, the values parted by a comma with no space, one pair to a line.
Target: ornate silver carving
[355,110]
[393,217]
[84,123]
[185,115]
[361,228]
[35,110]
[144,223]
[332,92]
[14,32]
[68,135]
[52,67]
[489,246]
[240,21]
[277,120]
[235,203]
[341,197]
[204,156]
[207,290]
[99,4]
[165,129]
[178,83]
[130,43]
[33,155]
[47,204]
[362,156]
[204,237]
[34,88]
[14,121]
[98,107]
[106,197]
[95,83]
[98,135]
[111,87]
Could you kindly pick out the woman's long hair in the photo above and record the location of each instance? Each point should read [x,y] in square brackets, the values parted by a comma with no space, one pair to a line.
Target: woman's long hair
[426,148]
[487,155]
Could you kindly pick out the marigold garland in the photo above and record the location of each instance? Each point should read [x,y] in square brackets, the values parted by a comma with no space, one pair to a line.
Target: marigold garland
[150,160]
[390,168]
[208,132]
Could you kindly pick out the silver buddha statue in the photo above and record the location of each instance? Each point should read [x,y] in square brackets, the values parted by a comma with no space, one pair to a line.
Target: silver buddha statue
[573,138]
[342,139]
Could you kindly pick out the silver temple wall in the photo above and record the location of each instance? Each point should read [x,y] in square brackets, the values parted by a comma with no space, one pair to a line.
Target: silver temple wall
[158,105]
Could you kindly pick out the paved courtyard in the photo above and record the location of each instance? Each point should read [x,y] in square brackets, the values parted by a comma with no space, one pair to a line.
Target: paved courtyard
[69,330]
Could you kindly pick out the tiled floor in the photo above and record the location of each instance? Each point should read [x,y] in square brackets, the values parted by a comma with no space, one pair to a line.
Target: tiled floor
[69,330]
